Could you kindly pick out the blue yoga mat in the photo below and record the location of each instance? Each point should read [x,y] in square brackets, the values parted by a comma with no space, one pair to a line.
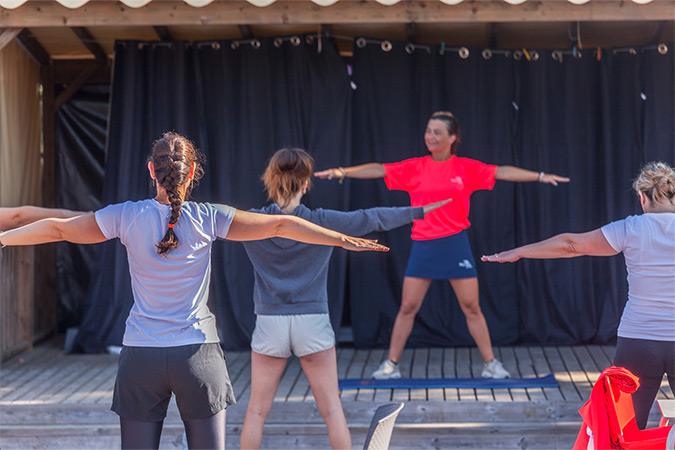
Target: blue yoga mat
[428,383]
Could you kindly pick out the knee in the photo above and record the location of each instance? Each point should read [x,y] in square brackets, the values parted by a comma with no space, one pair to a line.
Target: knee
[409,309]
[472,310]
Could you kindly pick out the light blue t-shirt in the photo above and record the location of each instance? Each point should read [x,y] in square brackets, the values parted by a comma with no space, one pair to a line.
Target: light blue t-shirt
[170,290]
[648,245]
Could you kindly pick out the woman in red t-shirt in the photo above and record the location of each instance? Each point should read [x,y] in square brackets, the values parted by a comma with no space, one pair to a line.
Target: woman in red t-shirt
[440,244]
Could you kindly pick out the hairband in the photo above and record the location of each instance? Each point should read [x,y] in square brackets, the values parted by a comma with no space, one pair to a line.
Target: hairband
[171,225]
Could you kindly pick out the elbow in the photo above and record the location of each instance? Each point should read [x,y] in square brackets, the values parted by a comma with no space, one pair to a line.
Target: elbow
[281,227]
[571,246]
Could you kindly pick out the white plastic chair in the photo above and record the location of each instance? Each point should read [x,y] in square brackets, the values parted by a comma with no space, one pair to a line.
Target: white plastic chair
[381,427]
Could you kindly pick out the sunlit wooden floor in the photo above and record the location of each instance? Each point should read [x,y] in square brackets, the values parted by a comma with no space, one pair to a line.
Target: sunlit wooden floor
[50,399]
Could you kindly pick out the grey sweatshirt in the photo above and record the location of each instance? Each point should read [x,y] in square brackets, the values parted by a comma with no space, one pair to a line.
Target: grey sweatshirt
[291,276]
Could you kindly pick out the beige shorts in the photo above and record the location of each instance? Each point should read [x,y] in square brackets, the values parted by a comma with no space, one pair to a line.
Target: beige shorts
[300,334]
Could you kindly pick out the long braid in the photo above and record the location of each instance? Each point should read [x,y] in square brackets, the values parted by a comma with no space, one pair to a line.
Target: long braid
[172,157]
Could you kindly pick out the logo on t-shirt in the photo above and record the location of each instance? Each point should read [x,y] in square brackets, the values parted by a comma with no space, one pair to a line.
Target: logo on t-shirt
[457,180]
[465,264]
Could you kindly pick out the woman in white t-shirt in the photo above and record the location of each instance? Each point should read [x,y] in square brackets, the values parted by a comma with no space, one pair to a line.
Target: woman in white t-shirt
[171,344]
[646,334]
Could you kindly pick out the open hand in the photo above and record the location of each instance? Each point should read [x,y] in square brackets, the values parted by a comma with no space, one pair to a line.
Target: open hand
[431,206]
[507,256]
[554,179]
[360,245]
[328,174]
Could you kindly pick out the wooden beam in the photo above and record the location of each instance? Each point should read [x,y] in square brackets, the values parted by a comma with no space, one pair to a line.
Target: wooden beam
[41,13]
[163,33]
[74,86]
[658,32]
[33,48]
[88,40]
[67,70]
[245,31]
[8,36]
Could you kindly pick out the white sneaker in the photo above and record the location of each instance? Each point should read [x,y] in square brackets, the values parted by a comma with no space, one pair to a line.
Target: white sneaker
[494,369]
[387,370]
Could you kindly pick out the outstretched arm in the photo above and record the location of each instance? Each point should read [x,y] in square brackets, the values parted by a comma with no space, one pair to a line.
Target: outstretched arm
[80,230]
[248,226]
[566,245]
[511,173]
[364,171]
[23,215]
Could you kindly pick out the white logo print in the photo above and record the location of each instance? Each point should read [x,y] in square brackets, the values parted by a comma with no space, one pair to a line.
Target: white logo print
[457,180]
[466,264]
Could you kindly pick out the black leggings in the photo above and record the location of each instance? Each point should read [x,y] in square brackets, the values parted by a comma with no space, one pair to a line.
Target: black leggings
[648,360]
[207,433]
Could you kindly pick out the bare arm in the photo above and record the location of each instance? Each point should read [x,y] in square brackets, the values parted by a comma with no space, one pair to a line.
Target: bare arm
[511,173]
[80,230]
[248,226]
[566,245]
[364,171]
[23,215]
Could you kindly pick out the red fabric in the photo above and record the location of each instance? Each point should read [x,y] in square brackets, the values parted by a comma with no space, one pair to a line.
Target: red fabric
[428,181]
[610,415]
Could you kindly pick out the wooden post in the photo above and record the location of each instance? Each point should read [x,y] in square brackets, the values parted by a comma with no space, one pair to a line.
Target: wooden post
[45,303]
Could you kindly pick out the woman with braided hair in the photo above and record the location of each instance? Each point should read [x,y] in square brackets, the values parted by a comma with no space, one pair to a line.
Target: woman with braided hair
[170,344]
[646,334]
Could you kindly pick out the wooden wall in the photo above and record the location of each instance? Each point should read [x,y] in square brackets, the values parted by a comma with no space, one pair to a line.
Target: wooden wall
[17,285]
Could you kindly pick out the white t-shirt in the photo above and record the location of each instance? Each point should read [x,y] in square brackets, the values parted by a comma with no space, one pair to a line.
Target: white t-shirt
[648,245]
[170,290]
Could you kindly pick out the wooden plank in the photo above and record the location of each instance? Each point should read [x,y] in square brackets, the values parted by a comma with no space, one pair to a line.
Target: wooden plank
[501,395]
[375,357]
[288,379]
[435,370]
[562,376]
[419,370]
[463,369]
[601,359]
[577,373]
[99,364]
[541,368]
[33,381]
[356,369]
[405,365]
[511,363]
[588,364]
[449,371]
[609,350]
[526,369]
[482,395]
[8,36]
[284,12]
[344,359]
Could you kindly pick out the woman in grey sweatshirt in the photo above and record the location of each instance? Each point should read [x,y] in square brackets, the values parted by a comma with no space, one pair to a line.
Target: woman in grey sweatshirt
[291,299]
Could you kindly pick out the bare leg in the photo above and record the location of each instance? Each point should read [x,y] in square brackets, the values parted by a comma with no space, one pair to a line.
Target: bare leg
[206,433]
[140,435]
[414,290]
[321,371]
[466,290]
[265,375]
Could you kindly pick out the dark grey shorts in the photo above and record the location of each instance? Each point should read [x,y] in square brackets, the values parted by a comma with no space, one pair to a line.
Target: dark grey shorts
[196,374]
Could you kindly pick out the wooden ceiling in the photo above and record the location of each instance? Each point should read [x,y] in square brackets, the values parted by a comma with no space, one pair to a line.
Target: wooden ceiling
[70,39]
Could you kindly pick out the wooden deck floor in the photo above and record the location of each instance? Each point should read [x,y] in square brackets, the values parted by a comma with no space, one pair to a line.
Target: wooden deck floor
[47,389]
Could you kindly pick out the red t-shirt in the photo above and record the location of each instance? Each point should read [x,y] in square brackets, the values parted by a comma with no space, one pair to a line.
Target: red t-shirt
[428,181]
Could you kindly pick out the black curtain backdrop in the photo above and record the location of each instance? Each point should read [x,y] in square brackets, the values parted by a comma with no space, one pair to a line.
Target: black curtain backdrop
[79,144]
[239,104]
[594,120]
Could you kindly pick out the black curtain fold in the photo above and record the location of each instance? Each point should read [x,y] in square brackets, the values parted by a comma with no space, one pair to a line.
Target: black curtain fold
[594,120]
[79,142]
